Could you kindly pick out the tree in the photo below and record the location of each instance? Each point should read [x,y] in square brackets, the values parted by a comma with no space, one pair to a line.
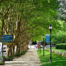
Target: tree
[26,20]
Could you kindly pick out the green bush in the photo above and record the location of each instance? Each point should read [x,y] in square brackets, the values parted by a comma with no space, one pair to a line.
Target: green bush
[48,43]
[23,52]
[2,63]
[8,58]
[59,37]
[61,46]
[19,54]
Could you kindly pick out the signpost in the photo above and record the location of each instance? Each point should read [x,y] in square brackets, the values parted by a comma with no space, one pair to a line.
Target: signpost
[47,37]
[0,46]
[1,53]
[7,39]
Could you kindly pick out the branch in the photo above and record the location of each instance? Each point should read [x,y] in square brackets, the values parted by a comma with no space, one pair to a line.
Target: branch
[1,2]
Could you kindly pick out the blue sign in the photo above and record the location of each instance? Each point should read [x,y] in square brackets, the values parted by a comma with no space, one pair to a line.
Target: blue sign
[7,39]
[47,37]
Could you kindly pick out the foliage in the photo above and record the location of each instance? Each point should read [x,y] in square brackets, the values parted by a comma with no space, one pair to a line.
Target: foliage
[2,63]
[33,18]
[19,54]
[62,10]
[23,52]
[61,46]
[8,58]
[41,19]
[57,60]
[35,11]
[59,37]
[48,43]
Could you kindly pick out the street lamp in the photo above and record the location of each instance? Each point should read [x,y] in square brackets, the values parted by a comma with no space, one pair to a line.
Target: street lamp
[40,46]
[43,45]
[50,27]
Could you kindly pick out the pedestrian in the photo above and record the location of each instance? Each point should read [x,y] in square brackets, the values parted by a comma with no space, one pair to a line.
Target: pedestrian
[38,46]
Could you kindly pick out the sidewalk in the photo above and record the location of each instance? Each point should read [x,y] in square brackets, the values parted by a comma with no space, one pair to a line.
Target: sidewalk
[29,59]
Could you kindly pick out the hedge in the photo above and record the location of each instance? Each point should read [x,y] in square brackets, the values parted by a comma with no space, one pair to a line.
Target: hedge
[61,46]
[48,43]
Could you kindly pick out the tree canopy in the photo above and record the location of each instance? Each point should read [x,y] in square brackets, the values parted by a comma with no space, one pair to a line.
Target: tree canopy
[32,17]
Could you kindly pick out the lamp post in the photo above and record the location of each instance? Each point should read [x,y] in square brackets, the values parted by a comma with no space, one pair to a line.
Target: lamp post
[40,47]
[43,45]
[50,27]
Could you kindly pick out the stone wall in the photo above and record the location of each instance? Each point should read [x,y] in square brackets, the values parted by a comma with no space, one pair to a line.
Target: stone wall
[57,52]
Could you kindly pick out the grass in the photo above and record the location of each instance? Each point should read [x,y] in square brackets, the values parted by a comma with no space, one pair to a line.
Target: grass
[57,60]
[61,50]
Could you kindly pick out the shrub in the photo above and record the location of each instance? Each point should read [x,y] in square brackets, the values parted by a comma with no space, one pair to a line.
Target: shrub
[61,46]
[23,52]
[59,37]
[8,58]
[19,54]
[48,43]
[2,63]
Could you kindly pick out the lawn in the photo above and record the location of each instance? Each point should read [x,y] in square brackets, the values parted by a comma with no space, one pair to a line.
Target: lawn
[61,50]
[57,60]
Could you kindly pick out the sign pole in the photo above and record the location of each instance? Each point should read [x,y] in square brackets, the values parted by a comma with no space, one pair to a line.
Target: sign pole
[2,54]
[40,47]
[1,50]
[43,46]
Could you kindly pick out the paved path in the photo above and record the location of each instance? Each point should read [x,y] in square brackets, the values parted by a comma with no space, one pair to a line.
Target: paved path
[32,46]
[29,59]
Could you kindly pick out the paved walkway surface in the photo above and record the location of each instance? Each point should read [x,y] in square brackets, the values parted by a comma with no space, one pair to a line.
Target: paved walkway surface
[30,58]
